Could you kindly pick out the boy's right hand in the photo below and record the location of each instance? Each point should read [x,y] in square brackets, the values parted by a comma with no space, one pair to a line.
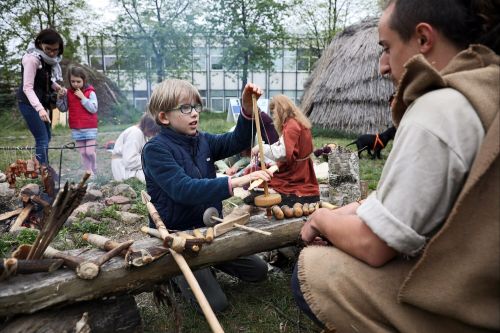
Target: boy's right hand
[246,98]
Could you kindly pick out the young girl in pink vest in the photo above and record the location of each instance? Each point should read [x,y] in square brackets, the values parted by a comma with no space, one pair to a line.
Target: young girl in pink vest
[81,102]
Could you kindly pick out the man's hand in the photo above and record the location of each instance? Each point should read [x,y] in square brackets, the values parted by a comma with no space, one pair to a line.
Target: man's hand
[309,233]
[79,94]
[246,98]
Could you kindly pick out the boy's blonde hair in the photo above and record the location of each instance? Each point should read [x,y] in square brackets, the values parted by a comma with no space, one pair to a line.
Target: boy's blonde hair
[283,108]
[167,95]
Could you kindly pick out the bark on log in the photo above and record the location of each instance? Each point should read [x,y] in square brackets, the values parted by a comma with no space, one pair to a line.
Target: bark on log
[30,293]
[117,314]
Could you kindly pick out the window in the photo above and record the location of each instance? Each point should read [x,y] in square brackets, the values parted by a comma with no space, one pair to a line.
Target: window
[199,59]
[216,58]
[217,104]
[110,62]
[289,61]
[278,64]
[140,103]
[96,63]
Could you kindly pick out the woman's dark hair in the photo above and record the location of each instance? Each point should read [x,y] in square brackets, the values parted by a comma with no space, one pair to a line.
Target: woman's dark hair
[49,36]
[148,125]
[78,72]
[463,22]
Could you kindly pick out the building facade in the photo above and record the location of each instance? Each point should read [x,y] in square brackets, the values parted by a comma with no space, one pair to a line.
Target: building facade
[291,68]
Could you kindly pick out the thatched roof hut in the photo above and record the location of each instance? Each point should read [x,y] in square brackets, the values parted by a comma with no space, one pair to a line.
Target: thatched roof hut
[345,92]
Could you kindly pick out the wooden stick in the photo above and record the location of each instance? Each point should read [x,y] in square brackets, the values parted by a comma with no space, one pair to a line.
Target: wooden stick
[69,260]
[247,228]
[67,200]
[21,217]
[113,252]
[151,231]
[101,242]
[90,269]
[13,266]
[255,183]
[188,274]
[209,235]
[8,215]
[236,225]
[259,139]
[133,257]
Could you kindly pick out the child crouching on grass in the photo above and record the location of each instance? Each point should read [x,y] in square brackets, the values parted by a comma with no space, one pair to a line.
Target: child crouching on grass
[178,164]
[81,102]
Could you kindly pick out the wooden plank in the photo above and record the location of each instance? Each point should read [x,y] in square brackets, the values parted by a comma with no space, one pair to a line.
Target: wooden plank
[25,212]
[30,293]
[8,215]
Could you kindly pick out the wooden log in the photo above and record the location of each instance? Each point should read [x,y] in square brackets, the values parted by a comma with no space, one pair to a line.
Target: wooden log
[30,293]
[12,266]
[116,314]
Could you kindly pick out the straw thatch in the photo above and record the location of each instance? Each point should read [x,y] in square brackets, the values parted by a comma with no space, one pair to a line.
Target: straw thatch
[345,92]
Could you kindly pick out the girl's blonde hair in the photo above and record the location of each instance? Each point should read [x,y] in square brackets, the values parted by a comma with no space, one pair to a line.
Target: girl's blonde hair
[283,108]
[167,94]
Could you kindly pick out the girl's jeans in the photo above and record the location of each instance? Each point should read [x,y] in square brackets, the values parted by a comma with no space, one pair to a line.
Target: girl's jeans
[39,129]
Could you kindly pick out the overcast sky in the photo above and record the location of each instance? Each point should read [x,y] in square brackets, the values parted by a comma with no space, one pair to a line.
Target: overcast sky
[106,10]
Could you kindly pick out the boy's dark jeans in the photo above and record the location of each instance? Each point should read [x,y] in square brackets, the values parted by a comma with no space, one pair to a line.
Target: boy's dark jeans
[39,129]
[249,268]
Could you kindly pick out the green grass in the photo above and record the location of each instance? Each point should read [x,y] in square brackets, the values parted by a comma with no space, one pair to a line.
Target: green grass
[9,241]
[254,308]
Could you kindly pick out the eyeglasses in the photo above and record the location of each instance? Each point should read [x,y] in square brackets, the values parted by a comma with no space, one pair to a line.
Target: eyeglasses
[49,49]
[188,108]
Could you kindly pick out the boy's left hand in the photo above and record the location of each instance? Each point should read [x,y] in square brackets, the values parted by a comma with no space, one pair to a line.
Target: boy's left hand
[79,94]
[246,98]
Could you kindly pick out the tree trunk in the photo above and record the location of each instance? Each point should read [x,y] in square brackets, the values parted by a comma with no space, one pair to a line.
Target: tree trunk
[30,293]
[116,314]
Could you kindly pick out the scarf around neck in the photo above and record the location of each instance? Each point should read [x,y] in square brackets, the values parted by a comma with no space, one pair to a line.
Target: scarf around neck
[54,62]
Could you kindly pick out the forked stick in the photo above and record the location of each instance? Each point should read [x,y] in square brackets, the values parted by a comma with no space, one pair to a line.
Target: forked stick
[188,274]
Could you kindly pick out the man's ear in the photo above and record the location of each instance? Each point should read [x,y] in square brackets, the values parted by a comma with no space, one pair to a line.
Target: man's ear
[163,118]
[426,36]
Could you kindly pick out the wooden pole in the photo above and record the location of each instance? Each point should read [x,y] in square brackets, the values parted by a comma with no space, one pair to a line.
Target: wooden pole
[259,139]
[188,274]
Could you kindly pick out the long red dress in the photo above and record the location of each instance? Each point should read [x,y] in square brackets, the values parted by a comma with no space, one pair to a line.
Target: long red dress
[296,174]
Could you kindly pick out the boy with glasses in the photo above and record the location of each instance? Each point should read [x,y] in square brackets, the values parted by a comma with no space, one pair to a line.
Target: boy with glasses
[179,168]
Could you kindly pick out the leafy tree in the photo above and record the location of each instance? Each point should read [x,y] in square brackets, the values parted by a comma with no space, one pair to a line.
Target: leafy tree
[247,29]
[20,21]
[320,20]
[159,27]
